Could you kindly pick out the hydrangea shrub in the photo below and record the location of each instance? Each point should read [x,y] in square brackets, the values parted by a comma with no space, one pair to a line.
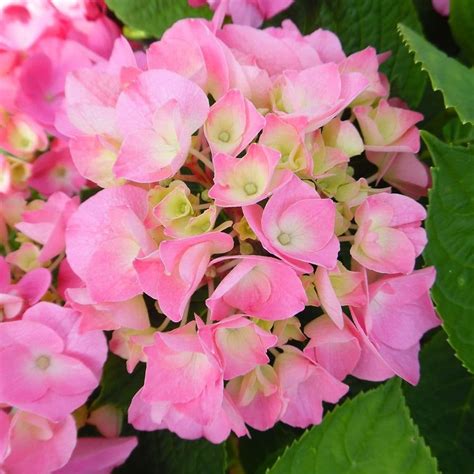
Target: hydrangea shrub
[223,233]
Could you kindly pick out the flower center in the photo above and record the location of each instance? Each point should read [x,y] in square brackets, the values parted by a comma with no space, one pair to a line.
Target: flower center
[43,362]
[224,136]
[284,238]
[250,189]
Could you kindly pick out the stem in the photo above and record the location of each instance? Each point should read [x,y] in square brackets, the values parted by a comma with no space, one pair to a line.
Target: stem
[202,206]
[203,158]
[346,238]
[188,177]
[223,226]
[373,178]
[185,316]
[56,263]
[164,324]
[227,266]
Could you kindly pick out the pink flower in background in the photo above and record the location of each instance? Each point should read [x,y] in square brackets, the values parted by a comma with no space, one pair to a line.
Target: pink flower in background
[259,286]
[15,298]
[246,12]
[55,171]
[54,367]
[390,236]
[398,313]
[297,226]
[47,225]
[441,6]
[247,180]
[43,77]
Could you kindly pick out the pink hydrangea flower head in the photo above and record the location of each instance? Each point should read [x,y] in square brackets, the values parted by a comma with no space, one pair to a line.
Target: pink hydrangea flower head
[99,455]
[317,94]
[55,367]
[263,287]
[104,238]
[305,385]
[398,313]
[16,298]
[336,349]
[173,272]
[244,181]
[390,236]
[39,442]
[232,123]
[258,397]
[389,128]
[297,226]
[286,135]
[239,344]
[47,225]
[339,287]
[157,115]
[404,171]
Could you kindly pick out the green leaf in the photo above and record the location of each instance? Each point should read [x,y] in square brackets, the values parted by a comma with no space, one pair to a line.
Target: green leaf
[442,405]
[374,23]
[154,16]
[450,227]
[117,386]
[162,452]
[461,19]
[457,133]
[455,81]
[369,434]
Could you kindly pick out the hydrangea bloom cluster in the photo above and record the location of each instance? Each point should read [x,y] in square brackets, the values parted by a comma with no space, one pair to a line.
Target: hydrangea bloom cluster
[232,243]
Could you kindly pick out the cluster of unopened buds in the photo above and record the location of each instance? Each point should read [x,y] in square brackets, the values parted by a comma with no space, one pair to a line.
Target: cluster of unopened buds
[236,248]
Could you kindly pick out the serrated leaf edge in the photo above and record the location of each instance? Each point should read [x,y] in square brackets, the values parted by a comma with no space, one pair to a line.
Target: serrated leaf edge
[400,28]
[350,401]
